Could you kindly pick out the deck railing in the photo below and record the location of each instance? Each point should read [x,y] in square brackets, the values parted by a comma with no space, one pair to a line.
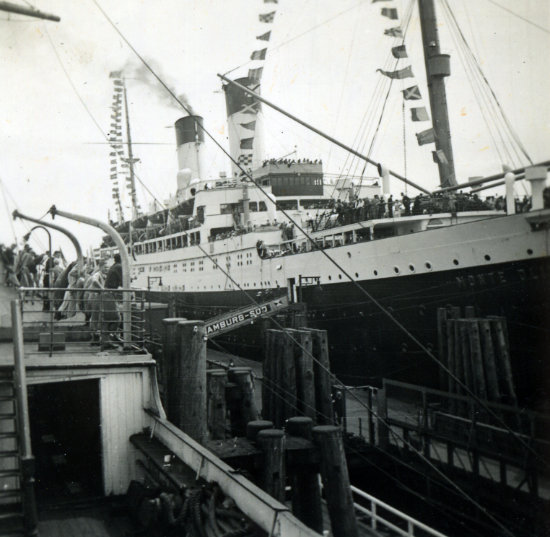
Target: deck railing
[401,523]
[57,319]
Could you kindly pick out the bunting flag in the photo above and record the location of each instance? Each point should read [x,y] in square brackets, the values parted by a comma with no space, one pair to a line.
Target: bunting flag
[118,82]
[394,32]
[118,89]
[271,1]
[399,52]
[399,74]
[374,1]
[412,94]
[440,157]
[246,143]
[389,12]
[426,137]
[258,54]
[264,37]
[115,74]
[251,125]
[267,17]
[255,75]
[245,160]
[419,114]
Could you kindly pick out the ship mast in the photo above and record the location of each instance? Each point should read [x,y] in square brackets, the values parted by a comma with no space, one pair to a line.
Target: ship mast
[130,160]
[438,66]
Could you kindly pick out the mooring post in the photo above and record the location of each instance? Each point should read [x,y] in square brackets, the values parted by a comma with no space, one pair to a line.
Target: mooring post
[334,472]
[190,379]
[254,427]
[306,493]
[273,475]
[216,407]
[288,377]
[323,384]
[244,408]
[170,350]
[305,381]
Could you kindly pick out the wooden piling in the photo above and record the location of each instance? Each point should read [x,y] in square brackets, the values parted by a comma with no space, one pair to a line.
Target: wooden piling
[216,407]
[478,376]
[254,427]
[505,366]
[272,394]
[334,473]
[244,408]
[323,383]
[189,409]
[305,382]
[170,346]
[272,442]
[306,493]
[493,390]
[288,379]
[442,339]
[382,412]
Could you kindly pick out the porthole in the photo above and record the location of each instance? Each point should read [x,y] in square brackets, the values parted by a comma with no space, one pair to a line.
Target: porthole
[428,265]
[529,251]
[396,270]
[411,268]
[339,276]
[487,257]
[330,277]
[455,261]
[376,273]
[349,254]
[357,275]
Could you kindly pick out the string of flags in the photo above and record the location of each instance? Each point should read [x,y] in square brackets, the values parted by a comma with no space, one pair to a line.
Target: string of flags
[412,93]
[244,108]
[119,163]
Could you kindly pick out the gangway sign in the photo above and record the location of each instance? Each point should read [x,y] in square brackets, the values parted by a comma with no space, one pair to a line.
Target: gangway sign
[243,316]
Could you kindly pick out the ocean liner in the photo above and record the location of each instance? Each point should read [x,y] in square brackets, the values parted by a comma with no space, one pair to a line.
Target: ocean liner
[273,228]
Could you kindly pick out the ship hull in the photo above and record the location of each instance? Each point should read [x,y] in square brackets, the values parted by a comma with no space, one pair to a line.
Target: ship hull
[499,266]
[366,345]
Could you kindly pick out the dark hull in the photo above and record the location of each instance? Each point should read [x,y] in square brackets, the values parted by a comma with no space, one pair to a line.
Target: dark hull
[365,345]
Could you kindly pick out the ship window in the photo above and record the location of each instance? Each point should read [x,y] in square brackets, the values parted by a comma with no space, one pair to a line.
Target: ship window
[286,205]
[330,277]
[396,270]
[339,276]
[411,268]
[262,206]
[376,273]
[357,275]
[487,257]
[428,265]
[455,261]
[529,251]
[253,206]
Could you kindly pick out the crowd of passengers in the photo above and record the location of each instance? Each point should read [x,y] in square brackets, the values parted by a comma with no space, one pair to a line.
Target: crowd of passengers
[348,212]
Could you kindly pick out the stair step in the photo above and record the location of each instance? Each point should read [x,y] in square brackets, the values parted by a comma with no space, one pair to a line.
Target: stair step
[10,515]
[12,472]
[9,453]
[10,493]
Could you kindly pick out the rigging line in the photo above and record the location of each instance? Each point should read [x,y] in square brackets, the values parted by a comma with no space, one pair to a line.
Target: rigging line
[361,289]
[504,117]
[299,35]
[86,108]
[524,19]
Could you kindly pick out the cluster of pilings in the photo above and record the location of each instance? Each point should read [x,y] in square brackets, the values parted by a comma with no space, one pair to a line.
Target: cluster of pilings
[476,351]
[296,376]
[296,395]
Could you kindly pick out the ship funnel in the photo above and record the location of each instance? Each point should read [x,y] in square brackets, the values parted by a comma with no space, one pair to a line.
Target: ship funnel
[242,124]
[190,141]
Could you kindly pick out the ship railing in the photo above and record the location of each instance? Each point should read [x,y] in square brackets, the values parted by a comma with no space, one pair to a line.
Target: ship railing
[83,320]
[381,516]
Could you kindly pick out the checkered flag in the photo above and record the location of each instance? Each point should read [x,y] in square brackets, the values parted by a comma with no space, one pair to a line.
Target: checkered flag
[245,160]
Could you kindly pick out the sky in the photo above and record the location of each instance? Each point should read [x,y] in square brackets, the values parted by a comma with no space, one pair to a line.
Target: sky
[321,66]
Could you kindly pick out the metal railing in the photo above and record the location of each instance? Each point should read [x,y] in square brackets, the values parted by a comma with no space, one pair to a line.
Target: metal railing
[402,524]
[91,319]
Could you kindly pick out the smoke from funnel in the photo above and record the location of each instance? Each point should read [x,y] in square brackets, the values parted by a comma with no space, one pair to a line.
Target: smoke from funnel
[139,72]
